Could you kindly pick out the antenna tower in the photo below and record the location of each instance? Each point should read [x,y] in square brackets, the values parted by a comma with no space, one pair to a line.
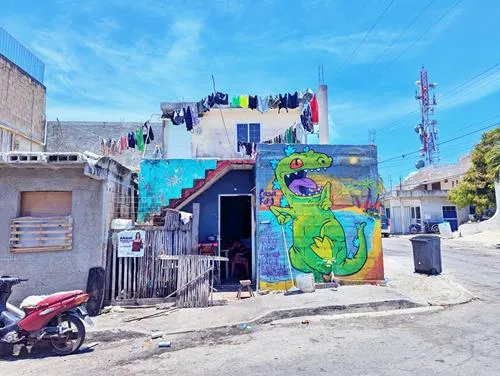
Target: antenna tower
[427,129]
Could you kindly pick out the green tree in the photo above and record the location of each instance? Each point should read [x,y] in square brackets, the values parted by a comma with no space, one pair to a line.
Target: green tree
[478,187]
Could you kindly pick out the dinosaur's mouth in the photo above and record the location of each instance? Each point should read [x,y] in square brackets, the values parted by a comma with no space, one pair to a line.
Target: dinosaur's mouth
[299,184]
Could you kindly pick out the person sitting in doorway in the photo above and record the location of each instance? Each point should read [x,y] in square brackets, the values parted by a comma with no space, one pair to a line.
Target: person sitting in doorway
[239,255]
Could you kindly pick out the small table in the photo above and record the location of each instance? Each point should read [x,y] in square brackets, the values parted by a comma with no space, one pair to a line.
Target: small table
[208,249]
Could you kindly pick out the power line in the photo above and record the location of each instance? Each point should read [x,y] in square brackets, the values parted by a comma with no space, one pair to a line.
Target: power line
[386,9]
[423,35]
[445,95]
[410,24]
[221,114]
[441,143]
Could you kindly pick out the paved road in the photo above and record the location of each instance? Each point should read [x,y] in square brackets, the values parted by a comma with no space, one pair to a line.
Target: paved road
[461,340]
[477,268]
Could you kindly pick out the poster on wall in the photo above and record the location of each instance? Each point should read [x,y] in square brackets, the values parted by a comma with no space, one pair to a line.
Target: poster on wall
[131,243]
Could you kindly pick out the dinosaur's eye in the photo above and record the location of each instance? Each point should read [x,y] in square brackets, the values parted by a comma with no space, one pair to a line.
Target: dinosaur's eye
[296,163]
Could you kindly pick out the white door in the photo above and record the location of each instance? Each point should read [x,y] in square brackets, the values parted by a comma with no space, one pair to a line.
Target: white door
[396,220]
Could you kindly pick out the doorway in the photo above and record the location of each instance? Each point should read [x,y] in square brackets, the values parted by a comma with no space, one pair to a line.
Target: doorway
[236,238]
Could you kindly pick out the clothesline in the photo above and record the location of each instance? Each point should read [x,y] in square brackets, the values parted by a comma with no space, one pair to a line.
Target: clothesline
[190,114]
[136,140]
[295,134]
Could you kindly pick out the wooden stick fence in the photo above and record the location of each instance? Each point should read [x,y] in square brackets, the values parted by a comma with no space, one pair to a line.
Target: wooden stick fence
[149,276]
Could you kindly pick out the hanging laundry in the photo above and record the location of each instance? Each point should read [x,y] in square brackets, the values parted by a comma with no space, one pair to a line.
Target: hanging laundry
[308,95]
[254,151]
[158,154]
[123,143]
[252,102]
[147,133]
[211,100]
[139,139]
[241,149]
[194,115]
[244,101]
[202,107]
[299,133]
[168,114]
[293,100]
[108,146]
[221,98]
[235,101]
[273,102]
[131,140]
[306,118]
[103,146]
[283,102]
[188,119]
[178,117]
[314,109]
[249,148]
[263,104]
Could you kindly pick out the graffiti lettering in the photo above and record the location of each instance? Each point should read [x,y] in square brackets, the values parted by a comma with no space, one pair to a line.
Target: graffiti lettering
[266,198]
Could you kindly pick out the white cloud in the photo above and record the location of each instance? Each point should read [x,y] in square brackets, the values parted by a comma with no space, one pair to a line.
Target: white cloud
[92,69]
[343,45]
[371,114]
[471,92]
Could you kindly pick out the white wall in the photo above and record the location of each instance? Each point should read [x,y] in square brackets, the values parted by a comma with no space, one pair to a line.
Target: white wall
[213,141]
[430,208]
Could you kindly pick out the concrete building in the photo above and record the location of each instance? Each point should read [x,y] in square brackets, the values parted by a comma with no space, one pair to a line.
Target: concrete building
[271,200]
[217,134]
[82,136]
[424,197]
[56,215]
[22,97]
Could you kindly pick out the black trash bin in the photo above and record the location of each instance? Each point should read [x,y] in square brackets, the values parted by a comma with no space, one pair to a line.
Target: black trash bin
[427,254]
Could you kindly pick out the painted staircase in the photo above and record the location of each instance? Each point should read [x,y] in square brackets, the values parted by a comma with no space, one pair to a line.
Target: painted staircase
[200,185]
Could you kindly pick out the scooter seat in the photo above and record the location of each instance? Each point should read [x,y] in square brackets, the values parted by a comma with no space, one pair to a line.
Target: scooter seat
[32,301]
[36,301]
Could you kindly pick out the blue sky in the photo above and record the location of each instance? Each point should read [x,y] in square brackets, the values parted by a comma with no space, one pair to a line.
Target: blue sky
[118,59]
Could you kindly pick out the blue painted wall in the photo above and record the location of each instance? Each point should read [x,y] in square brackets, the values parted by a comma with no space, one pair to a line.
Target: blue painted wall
[161,180]
[234,182]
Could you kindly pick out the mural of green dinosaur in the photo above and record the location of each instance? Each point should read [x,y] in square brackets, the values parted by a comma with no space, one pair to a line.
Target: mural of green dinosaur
[319,241]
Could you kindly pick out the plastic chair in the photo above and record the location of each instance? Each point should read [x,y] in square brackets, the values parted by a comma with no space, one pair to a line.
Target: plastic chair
[239,260]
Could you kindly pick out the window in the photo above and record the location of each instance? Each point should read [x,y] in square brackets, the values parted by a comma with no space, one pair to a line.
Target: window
[45,204]
[248,132]
[436,186]
[388,212]
[45,223]
[415,214]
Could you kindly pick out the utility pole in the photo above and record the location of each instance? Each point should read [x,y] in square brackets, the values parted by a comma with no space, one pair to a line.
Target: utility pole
[427,128]
[401,204]
[371,136]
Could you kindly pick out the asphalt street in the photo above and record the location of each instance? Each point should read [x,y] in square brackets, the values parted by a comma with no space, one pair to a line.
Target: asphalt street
[457,340]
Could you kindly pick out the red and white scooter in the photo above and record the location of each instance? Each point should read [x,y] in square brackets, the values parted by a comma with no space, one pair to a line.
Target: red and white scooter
[57,318]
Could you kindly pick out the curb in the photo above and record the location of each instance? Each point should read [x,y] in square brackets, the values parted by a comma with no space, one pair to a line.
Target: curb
[270,316]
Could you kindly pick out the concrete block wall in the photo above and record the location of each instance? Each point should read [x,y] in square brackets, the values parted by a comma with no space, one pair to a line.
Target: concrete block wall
[82,136]
[318,207]
[53,271]
[22,105]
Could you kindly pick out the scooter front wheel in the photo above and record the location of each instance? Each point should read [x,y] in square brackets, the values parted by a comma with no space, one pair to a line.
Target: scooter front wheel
[71,337]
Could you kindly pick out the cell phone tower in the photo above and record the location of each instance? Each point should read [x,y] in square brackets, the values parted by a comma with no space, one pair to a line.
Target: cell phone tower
[427,129]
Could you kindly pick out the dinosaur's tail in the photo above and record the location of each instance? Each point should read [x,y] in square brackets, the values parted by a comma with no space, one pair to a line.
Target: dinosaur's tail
[350,266]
